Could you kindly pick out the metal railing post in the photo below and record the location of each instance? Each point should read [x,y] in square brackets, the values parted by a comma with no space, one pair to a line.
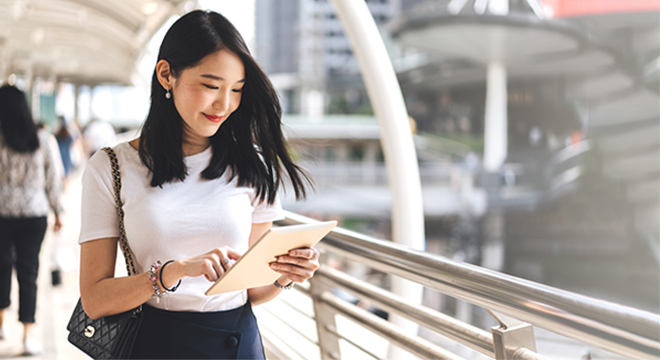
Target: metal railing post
[326,326]
[507,340]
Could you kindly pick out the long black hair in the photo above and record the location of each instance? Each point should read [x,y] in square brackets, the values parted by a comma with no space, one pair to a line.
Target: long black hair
[18,128]
[249,144]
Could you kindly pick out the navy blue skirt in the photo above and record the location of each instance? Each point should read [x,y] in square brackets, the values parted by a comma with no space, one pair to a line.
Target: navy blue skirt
[231,334]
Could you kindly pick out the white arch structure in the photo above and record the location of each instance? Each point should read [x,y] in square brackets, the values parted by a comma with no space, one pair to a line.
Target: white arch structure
[396,137]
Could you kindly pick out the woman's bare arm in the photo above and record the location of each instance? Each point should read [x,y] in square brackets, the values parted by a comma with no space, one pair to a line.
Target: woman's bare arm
[101,293]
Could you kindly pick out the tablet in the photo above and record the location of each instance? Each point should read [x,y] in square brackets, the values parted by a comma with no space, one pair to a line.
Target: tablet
[252,270]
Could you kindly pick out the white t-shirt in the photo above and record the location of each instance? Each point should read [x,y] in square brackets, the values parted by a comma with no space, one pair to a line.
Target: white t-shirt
[179,220]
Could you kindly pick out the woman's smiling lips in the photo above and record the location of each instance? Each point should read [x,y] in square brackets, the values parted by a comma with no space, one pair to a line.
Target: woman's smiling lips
[213,117]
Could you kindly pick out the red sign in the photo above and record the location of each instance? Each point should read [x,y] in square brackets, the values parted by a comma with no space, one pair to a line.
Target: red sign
[568,8]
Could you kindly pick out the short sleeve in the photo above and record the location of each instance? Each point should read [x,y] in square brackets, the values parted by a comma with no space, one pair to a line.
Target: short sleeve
[265,212]
[53,170]
[99,214]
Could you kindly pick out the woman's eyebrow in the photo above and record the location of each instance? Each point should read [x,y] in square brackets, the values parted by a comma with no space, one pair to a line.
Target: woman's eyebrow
[215,77]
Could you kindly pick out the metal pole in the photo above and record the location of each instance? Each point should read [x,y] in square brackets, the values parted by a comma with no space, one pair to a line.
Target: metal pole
[76,104]
[495,134]
[396,137]
[325,320]
[416,345]
[445,325]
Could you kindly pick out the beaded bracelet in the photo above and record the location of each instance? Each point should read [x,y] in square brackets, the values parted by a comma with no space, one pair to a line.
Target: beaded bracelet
[153,277]
[175,287]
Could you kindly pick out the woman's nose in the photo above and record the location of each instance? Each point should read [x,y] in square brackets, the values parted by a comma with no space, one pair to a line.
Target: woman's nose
[221,102]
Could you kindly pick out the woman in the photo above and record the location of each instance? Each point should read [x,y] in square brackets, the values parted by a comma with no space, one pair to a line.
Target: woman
[199,186]
[65,140]
[30,185]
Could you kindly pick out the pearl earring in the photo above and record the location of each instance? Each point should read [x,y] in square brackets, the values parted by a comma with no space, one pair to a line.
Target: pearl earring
[167,94]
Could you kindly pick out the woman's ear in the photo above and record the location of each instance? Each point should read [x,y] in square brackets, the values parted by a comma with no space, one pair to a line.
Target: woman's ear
[164,74]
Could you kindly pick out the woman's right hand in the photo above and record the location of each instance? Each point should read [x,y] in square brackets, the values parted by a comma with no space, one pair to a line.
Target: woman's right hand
[58,223]
[211,265]
[102,294]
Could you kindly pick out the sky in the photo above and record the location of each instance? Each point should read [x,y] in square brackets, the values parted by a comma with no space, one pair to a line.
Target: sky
[239,12]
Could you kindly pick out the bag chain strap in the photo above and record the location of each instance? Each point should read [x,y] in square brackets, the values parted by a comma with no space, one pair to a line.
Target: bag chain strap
[126,250]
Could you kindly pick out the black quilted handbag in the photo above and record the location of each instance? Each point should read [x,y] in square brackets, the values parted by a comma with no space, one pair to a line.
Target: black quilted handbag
[110,337]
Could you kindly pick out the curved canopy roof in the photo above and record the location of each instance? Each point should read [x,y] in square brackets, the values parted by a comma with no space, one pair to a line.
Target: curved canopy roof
[79,41]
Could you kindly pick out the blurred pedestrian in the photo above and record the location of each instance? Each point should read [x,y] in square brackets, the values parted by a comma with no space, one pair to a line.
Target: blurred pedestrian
[99,134]
[30,185]
[65,138]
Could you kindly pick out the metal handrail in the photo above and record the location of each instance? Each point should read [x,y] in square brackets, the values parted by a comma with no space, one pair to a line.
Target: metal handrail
[418,346]
[620,329]
[451,328]
[571,151]
[336,333]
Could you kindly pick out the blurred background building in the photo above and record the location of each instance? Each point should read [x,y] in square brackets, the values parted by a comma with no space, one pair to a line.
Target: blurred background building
[575,190]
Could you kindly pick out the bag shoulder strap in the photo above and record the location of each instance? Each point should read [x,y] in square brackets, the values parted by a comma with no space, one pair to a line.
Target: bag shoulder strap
[125,249]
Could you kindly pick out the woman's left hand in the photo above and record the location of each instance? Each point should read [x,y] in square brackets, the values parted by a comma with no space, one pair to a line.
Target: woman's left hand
[299,265]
